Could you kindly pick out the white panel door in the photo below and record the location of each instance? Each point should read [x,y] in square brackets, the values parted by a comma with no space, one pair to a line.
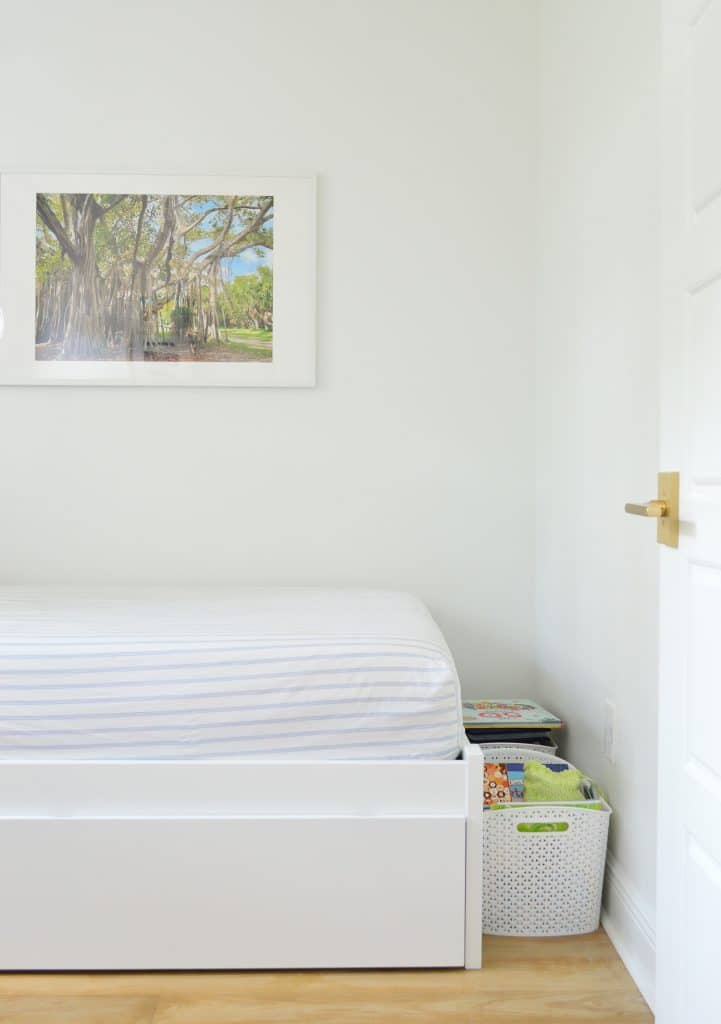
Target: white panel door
[689,893]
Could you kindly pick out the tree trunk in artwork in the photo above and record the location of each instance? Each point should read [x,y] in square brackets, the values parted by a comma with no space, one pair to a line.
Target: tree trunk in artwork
[202,318]
[135,334]
[138,333]
[213,294]
[83,335]
[84,329]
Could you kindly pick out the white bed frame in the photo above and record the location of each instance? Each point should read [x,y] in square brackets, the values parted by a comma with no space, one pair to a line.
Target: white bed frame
[240,864]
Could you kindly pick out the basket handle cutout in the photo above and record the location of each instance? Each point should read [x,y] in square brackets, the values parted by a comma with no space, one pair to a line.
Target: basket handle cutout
[542,826]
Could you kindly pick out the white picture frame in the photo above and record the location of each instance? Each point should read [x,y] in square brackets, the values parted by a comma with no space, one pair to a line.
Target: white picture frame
[294,285]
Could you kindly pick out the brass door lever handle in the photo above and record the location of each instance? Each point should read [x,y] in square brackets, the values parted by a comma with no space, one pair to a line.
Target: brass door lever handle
[663,509]
[655,508]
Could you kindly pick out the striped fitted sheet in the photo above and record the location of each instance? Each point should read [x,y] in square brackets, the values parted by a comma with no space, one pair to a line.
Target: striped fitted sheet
[209,674]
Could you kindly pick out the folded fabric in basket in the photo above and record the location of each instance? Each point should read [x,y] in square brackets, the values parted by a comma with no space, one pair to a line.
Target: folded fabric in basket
[541,783]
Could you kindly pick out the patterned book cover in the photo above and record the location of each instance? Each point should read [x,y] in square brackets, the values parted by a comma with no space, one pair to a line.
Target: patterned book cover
[496,786]
[488,714]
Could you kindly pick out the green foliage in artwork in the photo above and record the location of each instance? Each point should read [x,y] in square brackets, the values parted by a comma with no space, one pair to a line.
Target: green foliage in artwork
[181,317]
[248,301]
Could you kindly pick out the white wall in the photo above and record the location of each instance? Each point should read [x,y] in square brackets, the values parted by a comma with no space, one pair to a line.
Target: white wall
[412,463]
[597,364]
[409,465]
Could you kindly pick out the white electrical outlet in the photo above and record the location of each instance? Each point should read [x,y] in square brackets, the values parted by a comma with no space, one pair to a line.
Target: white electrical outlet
[609,730]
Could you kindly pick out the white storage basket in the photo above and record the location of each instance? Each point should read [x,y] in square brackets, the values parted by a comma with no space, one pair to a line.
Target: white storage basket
[497,753]
[542,748]
[542,883]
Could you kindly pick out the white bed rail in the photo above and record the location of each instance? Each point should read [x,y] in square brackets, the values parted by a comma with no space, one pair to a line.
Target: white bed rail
[240,864]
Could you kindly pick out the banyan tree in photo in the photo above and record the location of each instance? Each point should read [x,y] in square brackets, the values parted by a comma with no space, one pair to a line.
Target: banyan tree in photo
[154,277]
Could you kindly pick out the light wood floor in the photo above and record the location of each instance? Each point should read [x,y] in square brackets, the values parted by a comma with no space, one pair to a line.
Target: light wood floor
[535,980]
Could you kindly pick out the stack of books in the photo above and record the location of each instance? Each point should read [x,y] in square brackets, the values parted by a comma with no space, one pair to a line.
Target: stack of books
[509,721]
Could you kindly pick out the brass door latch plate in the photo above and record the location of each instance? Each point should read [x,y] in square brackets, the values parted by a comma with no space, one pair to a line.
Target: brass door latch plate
[664,509]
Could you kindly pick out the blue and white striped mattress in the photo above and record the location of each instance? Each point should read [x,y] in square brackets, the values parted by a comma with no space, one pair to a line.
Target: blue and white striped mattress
[208,674]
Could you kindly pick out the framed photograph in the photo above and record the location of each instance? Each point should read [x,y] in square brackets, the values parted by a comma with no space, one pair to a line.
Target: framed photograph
[157,280]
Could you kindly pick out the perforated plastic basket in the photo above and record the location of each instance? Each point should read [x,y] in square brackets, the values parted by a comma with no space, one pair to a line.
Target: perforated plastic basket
[542,882]
[503,753]
[543,748]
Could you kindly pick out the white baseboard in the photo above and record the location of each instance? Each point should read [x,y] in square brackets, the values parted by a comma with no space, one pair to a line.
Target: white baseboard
[629,929]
